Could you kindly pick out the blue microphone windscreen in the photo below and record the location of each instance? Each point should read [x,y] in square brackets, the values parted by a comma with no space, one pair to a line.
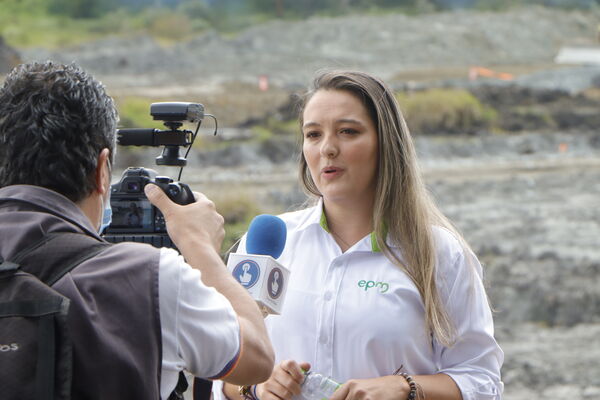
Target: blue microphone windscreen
[266,236]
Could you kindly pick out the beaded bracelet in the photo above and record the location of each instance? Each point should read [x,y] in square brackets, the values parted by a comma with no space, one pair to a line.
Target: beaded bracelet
[414,388]
[248,392]
[412,395]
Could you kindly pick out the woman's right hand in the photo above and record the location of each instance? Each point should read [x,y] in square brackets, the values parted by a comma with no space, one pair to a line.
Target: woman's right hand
[285,381]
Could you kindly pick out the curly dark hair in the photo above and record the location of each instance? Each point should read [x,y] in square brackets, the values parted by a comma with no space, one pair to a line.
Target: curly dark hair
[54,121]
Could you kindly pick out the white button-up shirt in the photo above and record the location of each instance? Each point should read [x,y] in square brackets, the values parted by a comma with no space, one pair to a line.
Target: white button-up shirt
[199,328]
[357,315]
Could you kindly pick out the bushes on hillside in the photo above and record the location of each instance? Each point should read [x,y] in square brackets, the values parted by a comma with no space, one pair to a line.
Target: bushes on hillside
[445,111]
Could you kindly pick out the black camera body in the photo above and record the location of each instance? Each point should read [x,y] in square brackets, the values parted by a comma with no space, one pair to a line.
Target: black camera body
[134,218]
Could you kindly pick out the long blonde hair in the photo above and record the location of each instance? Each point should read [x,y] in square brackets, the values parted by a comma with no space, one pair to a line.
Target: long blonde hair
[403,208]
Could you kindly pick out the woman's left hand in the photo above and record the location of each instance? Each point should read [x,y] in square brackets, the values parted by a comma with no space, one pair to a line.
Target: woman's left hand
[391,387]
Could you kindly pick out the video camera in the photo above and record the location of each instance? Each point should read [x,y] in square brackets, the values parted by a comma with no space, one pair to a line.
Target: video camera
[134,218]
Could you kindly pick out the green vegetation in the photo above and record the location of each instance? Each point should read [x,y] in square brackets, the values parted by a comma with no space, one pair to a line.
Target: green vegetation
[445,111]
[56,23]
[276,127]
[531,115]
[237,209]
[262,133]
[134,112]
[29,23]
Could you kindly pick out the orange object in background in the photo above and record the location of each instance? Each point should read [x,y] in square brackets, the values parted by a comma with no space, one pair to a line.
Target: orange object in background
[476,72]
[263,83]
[563,147]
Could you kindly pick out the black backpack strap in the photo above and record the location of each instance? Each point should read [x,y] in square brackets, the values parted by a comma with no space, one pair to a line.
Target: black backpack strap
[44,387]
[202,388]
[57,254]
[180,388]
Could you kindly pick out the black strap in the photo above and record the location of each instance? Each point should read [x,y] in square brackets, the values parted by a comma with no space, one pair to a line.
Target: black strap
[202,389]
[57,254]
[180,388]
[44,386]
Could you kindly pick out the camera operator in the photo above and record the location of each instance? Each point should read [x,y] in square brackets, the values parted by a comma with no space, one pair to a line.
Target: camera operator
[138,314]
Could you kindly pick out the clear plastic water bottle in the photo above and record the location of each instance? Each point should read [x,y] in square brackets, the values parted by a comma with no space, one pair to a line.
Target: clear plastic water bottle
[318,387]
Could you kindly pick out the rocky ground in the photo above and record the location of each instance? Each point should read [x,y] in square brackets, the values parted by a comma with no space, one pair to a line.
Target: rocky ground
[534,222]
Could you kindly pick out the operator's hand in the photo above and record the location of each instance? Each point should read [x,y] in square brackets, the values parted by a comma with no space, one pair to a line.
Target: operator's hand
[284,382]
[391,387]
[191,225]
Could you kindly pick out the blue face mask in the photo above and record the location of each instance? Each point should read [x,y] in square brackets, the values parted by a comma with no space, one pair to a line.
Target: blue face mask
[106,216]
[107,212]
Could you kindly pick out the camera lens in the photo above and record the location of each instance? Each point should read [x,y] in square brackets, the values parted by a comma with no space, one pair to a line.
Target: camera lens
[133,186]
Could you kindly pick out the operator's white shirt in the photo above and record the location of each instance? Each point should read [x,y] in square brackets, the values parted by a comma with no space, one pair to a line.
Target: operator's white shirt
[357,315]
[200,330]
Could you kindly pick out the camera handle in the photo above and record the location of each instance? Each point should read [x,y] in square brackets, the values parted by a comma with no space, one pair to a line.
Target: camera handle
[170,156]
[179,193]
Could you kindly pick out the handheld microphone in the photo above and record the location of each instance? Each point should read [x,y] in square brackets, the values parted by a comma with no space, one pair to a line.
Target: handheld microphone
[257,271]
[266,235]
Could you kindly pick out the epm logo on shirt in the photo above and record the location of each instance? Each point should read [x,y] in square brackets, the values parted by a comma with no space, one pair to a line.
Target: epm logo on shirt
[382,287]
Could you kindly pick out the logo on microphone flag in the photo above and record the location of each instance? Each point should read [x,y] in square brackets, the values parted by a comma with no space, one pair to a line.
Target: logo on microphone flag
[275,283]
[265,279]
[247,272]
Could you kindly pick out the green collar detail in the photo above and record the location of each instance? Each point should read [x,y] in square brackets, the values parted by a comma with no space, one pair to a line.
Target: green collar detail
[323,222]
[374,246]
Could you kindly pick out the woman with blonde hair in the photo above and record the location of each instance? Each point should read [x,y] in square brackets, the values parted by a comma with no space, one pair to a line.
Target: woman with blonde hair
[385,296]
